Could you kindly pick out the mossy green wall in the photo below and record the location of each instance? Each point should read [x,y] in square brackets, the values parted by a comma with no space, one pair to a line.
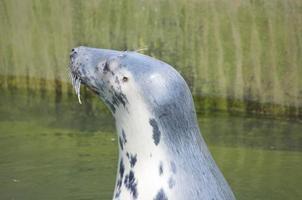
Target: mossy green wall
[236,55]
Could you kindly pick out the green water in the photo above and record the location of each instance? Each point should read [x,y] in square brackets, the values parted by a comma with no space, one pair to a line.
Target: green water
[69,151]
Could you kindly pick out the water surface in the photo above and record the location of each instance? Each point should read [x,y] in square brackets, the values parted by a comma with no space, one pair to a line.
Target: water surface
[66,151]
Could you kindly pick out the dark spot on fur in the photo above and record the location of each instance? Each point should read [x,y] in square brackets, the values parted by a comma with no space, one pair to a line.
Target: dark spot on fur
[161,170]
[123,99]
[124,136]
[161,195]
[122,140]
[131,184]
[106,67]
[173,167]
[171,182]
[112,107]
[133,159]
[156,131]
[118,187]
[115,100]
[95,90]
[122,168]
[120,179]
[121,143]
[118,98]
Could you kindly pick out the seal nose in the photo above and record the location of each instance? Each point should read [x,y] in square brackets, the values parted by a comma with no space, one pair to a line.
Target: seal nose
[73,53]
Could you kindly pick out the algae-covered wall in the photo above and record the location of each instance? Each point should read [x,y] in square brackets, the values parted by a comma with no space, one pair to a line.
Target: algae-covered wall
[236,55]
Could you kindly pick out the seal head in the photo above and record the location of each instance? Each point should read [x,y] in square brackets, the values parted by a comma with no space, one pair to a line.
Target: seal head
[162,154]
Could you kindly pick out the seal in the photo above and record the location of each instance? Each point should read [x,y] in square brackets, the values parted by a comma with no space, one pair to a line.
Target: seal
[162,154]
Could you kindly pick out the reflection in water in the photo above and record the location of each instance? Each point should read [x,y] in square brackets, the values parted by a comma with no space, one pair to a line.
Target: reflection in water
[71,152]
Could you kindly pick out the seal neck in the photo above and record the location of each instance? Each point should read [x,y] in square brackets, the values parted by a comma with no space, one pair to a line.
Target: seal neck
[142,153]
[138,132]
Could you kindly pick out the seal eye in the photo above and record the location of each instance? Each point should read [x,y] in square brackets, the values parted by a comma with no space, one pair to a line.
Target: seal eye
[125,79]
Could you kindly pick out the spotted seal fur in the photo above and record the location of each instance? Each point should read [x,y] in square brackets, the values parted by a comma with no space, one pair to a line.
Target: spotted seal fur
[162,155]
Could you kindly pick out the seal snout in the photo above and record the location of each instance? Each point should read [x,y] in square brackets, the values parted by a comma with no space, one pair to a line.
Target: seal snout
[73,53]
[74,72]
[96,69]
[77,65]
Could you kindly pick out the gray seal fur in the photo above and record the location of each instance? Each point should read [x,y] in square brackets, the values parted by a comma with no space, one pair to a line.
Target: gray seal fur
[162,132]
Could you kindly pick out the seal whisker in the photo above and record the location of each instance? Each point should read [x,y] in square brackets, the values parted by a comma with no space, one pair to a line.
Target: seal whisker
[141,49]
[77,87]
[76,83]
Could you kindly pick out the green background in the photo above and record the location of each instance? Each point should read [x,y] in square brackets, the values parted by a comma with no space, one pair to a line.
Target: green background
[240,57]
[236,55]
